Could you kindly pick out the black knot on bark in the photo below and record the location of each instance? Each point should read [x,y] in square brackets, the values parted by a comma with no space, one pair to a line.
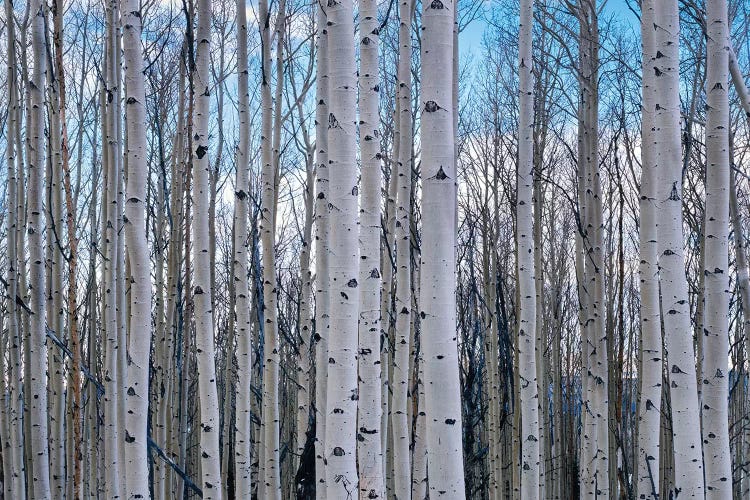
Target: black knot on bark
[201,151]
[431,106]
[338,451]
[437,4]
[332,121]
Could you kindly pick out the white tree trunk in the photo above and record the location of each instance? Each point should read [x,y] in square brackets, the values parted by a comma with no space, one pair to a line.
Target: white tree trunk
[651,356]
[322,299]
[35,229]
[341,401]
[369,450]
[111,162]
[15,478]
[688,460]
[271,482]
[243,322]
[525,243]
[715,418]
[139,341]
[204,323]
[400,423]
[437,269]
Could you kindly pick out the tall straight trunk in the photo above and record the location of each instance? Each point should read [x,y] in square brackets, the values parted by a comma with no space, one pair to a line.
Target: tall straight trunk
[400,423]
[55,311]
[305,310]
[651,356]
[111,161]
[437,269]
[14,477]
[322,284]
[270,478]
[369,445]
[204,323]
[386,309]
[243,322]
[341,400]
[715,423]
[595,462]
[530,471]
[73,425]
[140,331]
[35,229]
[688,462]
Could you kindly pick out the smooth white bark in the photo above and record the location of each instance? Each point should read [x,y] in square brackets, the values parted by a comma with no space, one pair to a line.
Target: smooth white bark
[650,357]
[438,263]
[400,380]
[270,476]
[688,460]
[525,262]
[369,451]
[37,396]
[322,300]
[243,322]
[204,322]
[139,339]
[715,416]
[341,403]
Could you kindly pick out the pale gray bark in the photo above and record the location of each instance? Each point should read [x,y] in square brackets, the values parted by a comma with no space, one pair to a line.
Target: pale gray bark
[204,322]
[688,462]
[437,288]
[322,300]
[35,229]
[271,481]
[243,321]
[650,355]
[341,401]
[715,423]
[530,471]
[369,445]
[140,329]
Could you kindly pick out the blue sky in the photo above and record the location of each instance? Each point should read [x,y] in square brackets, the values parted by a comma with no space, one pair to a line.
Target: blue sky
[471,37]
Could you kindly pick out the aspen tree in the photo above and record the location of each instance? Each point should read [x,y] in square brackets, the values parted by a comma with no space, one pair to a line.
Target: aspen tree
[369,450]
[243,322]
[111,161]
[740,245]
[204,323]
[35,229]
[54,267]
[596,432]
[13,450]
[400,423]
[305,312]
[341,400]
[140,331]
[271,480]
[715,423]
[437,269]
[650,357]
[322,283]
[688,463]
[525,262]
